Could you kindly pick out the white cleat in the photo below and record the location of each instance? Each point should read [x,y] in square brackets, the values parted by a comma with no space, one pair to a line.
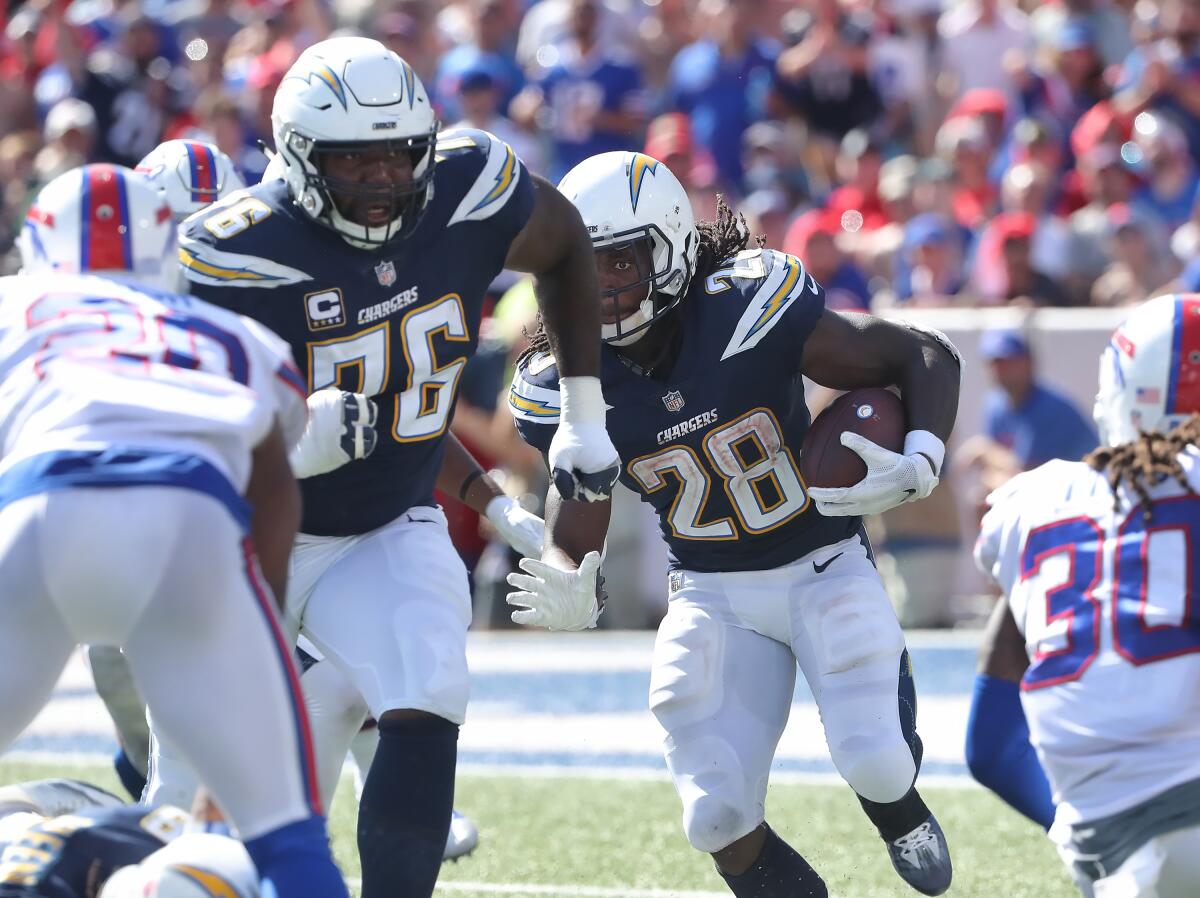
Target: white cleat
[463,837]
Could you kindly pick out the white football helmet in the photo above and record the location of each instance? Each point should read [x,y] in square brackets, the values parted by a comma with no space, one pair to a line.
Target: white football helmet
[629,197]
[346,95]
[191,175]
[103,219]
[1150,370]
[274,170]
[196,865]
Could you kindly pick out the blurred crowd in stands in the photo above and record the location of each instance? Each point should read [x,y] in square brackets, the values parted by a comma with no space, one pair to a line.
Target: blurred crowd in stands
[914,153]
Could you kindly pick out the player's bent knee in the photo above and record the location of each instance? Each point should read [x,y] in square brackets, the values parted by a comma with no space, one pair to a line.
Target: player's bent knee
[712,823]
[719,806]
[879,769]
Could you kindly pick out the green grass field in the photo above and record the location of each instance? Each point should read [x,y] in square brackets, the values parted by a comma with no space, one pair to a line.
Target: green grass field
[570,837]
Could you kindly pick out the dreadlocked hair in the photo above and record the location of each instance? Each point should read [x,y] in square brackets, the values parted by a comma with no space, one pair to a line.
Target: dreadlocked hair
[726,235]
[1139,464]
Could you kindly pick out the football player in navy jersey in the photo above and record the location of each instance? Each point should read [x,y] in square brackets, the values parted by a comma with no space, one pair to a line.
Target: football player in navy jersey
[63,838]
[705,345]
[371,257]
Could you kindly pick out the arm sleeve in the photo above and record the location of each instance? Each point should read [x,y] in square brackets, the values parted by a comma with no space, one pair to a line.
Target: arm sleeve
[999,753]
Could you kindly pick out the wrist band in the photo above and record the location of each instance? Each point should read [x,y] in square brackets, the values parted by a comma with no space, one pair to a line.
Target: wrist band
[926,444]
[581,399]
[467,481]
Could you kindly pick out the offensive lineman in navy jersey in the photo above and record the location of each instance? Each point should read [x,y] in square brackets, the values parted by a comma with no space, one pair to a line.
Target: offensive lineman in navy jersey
[371,257]
[706,342]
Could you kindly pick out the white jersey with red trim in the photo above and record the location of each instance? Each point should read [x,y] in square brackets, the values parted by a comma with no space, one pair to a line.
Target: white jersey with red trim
[89,362]
[1107,603]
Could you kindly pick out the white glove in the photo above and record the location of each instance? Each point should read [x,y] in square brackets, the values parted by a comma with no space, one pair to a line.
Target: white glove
[522,530]
[558,599]
[583,462]
[892,478]
[341,428]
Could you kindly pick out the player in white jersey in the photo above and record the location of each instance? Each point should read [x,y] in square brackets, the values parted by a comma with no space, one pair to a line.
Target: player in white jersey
[145,496]
[1095,559]
[190,175]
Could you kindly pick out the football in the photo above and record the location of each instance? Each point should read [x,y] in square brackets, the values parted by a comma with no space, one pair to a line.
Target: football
[875,413]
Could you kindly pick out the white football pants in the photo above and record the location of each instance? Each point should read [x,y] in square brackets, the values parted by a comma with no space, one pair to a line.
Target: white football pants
[725,669]
[166,573]
[388,611]
[1168,866]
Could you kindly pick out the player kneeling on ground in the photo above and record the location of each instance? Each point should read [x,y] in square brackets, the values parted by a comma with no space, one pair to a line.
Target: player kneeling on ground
[705,345]
[1095,559]
[69,839]
[145,497]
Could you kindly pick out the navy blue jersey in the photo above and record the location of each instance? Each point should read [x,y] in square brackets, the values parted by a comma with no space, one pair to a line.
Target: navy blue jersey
[70,856]
[397,323]
[714,445]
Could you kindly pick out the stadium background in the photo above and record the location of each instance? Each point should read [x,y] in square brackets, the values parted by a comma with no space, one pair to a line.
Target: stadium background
[1013,173]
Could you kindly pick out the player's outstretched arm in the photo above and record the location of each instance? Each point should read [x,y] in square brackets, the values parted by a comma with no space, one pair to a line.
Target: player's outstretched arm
[462,476]
[999,753]
[846,351]
[555,247]
[274,498]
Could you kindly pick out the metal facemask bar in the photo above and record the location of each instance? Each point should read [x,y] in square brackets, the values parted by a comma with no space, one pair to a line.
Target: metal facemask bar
[653,280]
[407,201]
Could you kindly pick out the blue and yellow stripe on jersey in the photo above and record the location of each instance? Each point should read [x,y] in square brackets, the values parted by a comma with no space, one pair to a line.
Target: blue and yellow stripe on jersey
[776,302]
[504,179]
[219,272]
[327,76]
[638,168]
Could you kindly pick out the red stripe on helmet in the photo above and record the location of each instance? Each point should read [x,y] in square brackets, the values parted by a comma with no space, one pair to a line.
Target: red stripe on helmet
[1187,378]
[105,222]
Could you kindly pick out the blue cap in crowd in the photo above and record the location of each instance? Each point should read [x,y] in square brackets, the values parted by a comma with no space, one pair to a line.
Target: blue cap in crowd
[928,228]
[1003,343]
[1074,34]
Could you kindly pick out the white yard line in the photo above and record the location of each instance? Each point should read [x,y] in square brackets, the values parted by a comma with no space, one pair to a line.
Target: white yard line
[564,891]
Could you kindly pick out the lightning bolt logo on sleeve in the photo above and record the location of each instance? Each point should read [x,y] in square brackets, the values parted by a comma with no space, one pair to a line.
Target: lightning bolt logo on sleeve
[503,179]
[775,294]
[775,302]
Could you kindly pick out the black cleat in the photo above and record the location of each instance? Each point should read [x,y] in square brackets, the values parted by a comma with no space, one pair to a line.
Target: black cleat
[922,858]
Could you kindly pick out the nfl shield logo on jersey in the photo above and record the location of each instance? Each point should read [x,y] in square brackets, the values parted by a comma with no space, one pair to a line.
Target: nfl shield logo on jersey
[385,273]
[673,400]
